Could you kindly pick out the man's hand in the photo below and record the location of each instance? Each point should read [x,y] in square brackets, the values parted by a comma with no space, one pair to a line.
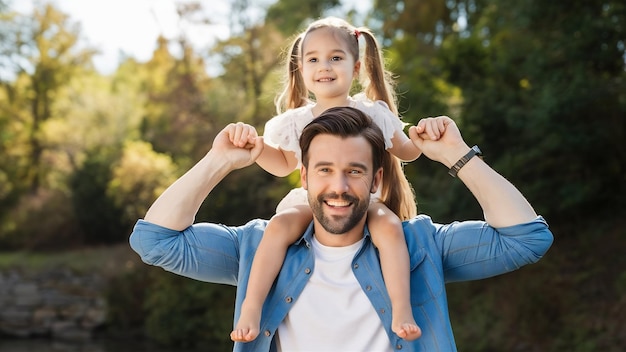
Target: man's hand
[439,139]
[239,143]
[235,147]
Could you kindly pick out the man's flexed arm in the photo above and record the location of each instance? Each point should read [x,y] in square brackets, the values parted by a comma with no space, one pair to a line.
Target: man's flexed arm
[235,147]
[502,203]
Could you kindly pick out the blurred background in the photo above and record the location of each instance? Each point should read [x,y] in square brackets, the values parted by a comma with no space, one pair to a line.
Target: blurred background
[104,104]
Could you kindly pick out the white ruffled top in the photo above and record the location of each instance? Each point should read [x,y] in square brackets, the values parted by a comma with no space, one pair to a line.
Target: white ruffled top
[284,130]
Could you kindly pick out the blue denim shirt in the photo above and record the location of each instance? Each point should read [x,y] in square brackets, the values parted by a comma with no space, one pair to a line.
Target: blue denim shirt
[459,251]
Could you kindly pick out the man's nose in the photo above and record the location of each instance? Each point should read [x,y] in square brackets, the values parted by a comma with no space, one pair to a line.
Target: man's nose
[339,183]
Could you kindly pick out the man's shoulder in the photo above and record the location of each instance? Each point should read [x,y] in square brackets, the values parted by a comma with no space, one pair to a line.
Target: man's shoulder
[253,225]
[250,232]
[419,220]
[420,229]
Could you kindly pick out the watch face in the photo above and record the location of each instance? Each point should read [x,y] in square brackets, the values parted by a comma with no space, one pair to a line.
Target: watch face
[478,152]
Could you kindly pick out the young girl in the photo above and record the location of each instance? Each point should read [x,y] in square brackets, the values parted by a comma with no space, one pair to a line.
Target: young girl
[324,60]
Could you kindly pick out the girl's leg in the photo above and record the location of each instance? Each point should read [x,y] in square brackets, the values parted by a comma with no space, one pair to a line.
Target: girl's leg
[387,234]
[282,230]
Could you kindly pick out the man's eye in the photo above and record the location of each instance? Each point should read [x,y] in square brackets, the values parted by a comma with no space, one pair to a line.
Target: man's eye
[355,172]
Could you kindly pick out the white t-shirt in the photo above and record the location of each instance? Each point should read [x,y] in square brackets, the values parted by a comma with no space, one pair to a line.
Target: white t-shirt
[332,313]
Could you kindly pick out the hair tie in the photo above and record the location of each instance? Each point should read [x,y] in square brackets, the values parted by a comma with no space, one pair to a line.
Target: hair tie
[357,33]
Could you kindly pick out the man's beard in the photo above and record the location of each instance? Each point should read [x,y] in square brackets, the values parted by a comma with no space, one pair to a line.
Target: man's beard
[334,224]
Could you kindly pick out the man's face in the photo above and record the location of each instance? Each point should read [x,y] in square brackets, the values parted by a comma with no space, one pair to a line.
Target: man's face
[339,181]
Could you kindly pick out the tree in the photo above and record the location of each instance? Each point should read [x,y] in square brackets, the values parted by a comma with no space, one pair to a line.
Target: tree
[411,33]
[95,118]
[40,56]
[47,54]
[534,73]
[289,15]
[179,119]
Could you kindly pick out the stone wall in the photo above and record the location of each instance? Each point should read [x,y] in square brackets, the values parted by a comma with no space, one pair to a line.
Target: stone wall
[55,303]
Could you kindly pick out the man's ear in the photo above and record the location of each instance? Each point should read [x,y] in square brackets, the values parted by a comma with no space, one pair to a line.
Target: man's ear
[376,181]
[303,177]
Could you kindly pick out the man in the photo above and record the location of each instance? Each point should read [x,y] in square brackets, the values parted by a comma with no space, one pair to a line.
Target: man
[330,295]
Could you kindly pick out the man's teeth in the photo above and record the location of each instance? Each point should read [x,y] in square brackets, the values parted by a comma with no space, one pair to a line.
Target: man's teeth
[337,203]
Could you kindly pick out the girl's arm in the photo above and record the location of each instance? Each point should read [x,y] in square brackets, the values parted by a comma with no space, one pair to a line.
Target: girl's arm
[403,148]
[272,159]
[278,162]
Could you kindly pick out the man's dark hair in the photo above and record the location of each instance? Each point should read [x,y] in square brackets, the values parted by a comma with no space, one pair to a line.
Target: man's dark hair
[345,122]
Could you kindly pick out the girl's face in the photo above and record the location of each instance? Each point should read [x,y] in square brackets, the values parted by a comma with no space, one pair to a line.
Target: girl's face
[327,66]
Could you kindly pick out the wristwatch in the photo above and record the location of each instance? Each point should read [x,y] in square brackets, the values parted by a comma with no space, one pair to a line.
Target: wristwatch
[475,151]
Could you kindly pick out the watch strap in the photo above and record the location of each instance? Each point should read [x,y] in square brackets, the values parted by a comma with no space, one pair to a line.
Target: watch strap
[474,151]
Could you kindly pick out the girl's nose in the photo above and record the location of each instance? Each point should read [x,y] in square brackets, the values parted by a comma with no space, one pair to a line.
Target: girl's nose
[324,66]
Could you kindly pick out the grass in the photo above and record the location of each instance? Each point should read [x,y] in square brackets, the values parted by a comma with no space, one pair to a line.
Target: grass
[107,260]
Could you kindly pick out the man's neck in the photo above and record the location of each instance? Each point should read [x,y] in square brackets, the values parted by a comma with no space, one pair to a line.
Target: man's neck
[338,240]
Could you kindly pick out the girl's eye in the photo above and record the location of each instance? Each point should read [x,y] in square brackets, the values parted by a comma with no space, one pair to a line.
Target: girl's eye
[312,59]
[336,58]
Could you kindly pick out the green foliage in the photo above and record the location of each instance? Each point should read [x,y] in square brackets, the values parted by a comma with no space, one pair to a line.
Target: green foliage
[188,313]
[137,179]
[289,16]
[40,220]
[109,193]
[55,61]
[126,296]
[426,21]
[179,113]
[529,84]
[244,195]
[569,301]
[6,178]
[250,60]
[100,219]
[106,261]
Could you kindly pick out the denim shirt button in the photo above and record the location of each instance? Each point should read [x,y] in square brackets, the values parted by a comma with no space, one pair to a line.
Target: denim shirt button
[368,288]
[356,265]
[267,333]
[398,347]
[382,310]
[288,299]
[307,271]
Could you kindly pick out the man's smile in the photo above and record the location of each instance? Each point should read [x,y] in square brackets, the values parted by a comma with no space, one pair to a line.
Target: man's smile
[335,203]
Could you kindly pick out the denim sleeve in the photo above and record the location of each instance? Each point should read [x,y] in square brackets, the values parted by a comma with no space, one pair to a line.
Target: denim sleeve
[205,252]
[473,250]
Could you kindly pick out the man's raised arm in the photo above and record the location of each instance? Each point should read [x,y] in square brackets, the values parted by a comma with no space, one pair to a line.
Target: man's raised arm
[235,147]
[502,203]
